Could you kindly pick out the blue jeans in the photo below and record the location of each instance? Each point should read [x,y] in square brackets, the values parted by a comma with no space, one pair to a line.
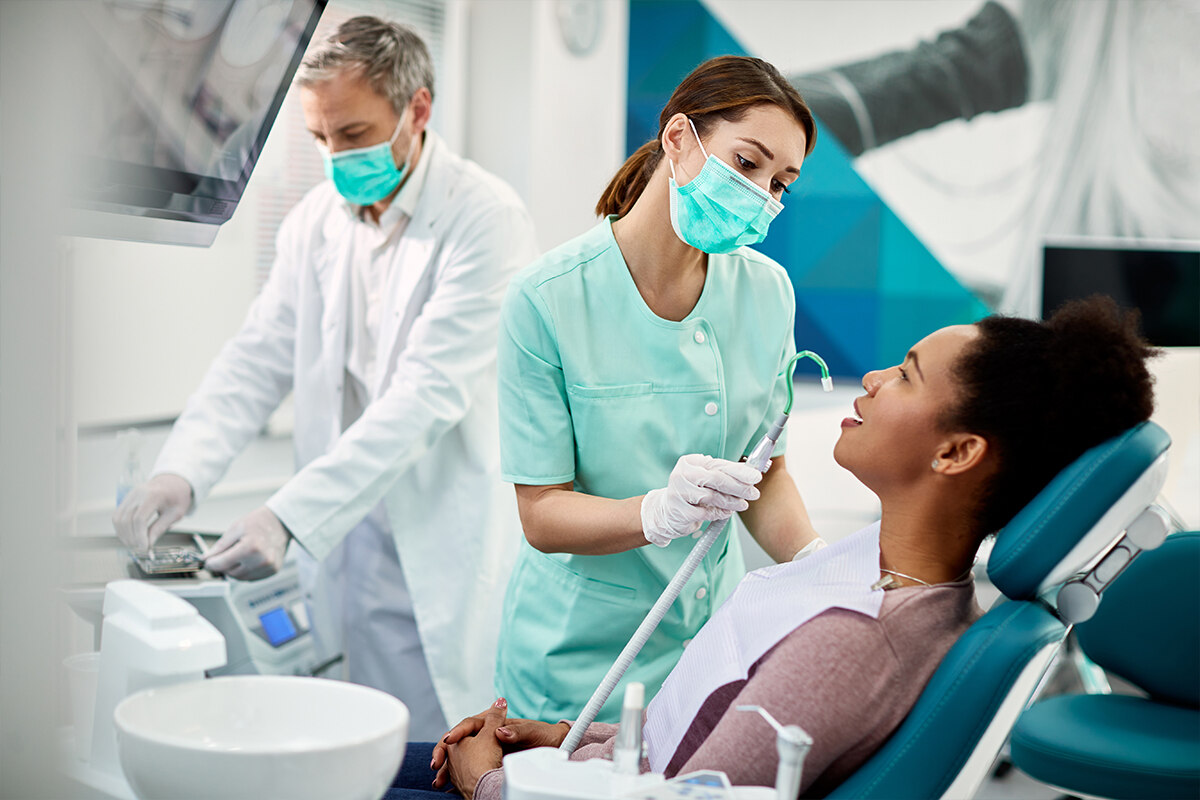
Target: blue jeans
[414,781]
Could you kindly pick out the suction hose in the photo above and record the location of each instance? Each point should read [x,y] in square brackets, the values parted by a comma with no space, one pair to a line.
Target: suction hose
[759,459]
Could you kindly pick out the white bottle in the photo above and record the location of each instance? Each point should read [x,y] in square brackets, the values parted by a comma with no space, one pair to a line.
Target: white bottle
[129,442]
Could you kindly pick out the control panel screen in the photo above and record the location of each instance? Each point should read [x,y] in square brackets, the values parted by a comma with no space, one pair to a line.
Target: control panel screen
[278,626]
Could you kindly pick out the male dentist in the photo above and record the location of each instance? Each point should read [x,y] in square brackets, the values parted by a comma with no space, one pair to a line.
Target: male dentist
[381,313]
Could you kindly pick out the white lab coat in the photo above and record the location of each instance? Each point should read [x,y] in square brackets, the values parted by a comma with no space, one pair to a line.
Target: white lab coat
[428,445]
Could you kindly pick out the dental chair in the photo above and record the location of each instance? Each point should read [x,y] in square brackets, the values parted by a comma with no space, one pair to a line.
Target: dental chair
[1123,746]
[1051,562]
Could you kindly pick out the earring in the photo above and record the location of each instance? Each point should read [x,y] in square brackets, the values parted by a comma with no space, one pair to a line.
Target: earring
[935,464]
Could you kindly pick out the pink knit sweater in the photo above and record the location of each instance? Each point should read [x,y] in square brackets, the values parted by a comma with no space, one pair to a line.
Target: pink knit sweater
[846,679]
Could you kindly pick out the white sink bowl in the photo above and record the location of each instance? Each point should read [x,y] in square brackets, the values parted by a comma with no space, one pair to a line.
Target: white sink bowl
[259,737]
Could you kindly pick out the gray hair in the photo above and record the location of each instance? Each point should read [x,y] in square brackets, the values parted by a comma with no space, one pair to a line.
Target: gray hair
[392,57]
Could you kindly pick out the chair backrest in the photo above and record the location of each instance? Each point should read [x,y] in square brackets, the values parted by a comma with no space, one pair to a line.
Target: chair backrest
[949,740]
[1154,608]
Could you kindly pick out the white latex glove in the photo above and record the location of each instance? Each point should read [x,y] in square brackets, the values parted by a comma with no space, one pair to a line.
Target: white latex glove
[149,509]
[251,549]
[701,489]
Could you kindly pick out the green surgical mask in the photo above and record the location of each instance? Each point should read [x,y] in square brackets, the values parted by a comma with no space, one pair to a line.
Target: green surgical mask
[720,209]
[365,175]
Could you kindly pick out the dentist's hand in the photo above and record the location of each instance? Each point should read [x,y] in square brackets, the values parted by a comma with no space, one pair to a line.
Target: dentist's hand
[149,509]
[251,549]
[701,489]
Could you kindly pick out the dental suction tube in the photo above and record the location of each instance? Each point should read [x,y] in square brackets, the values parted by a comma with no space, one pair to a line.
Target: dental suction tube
[760,459]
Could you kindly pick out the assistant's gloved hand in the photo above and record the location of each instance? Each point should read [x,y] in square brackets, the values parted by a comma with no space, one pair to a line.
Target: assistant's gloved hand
[251,549]
[149,509]
[700,489]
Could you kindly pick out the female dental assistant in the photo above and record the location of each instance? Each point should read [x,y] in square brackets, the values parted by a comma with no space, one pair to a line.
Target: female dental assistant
[638,362]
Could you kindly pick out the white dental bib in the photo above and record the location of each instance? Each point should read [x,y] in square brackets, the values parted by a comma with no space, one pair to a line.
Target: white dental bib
[766,606]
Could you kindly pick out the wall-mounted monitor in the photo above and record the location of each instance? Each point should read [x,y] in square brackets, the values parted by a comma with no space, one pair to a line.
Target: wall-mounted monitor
[1159,278]
[185,93]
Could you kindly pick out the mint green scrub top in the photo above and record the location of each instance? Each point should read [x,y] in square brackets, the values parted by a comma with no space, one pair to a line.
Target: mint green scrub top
[598,391]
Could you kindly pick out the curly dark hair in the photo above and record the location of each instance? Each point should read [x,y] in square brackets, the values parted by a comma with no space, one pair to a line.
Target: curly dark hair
[1041,393]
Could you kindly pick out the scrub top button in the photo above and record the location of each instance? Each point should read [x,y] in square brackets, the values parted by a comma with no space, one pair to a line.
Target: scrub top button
[710,409]
[699,337]
[686,642]
[701,592]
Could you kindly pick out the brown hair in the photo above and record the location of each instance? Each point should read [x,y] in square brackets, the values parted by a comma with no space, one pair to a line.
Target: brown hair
[725,87]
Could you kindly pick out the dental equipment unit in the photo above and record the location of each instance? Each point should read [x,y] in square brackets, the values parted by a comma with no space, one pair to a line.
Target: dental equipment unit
[151,639]
[163,727]
[544,773]
[793,744]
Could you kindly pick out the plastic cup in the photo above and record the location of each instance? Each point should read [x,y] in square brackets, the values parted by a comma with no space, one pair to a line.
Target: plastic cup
[83,671]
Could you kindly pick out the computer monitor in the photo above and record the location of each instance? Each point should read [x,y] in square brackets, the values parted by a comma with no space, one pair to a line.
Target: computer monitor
[1159,278]
[181,97]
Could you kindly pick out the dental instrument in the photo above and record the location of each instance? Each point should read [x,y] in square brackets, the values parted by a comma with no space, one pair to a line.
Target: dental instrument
[826,380]
[793,744]
[169,561]
[627,751]
[759,458]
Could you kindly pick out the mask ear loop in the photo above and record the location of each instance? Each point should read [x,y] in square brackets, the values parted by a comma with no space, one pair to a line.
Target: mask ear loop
[697,135]
[399,125]
[671,163]
[408,155]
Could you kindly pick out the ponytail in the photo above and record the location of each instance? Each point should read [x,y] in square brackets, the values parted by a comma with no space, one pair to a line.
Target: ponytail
[627,185]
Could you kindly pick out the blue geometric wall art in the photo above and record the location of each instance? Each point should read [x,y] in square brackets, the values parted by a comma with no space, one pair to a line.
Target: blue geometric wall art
[866,287]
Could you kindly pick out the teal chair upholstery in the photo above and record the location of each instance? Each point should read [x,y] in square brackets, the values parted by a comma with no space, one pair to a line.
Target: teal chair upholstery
[1147,632]
[948,742]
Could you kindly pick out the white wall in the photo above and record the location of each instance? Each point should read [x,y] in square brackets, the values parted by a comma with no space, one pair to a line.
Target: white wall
[149,318]
[38,54]
[549,122]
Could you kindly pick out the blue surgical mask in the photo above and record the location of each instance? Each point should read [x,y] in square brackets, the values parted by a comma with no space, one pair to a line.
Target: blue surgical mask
[720,210]
[365,175]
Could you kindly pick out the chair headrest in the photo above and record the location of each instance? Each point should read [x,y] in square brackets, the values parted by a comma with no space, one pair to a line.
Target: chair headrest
[1080,512]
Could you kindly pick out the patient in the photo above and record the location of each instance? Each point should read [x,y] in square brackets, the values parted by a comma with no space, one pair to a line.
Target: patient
[954,441]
